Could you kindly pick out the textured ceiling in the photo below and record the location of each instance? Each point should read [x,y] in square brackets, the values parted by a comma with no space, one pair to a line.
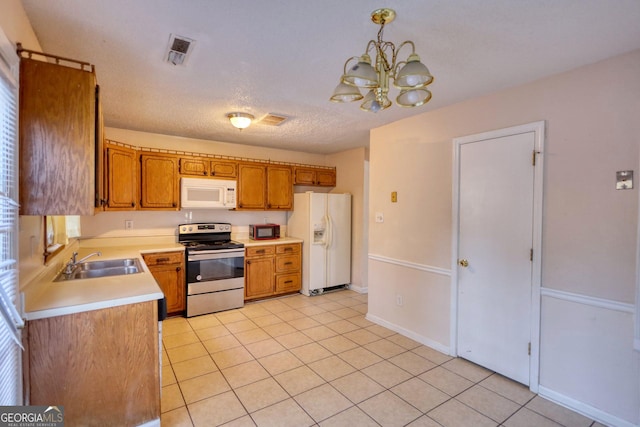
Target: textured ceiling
[286,56]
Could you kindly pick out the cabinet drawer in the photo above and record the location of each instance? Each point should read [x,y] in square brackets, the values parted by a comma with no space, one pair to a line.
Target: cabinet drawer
[288,282]
[287,263]
[256,251]
[293,248]
[163,258]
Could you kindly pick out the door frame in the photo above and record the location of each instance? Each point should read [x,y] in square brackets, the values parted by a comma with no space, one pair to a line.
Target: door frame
[539,136]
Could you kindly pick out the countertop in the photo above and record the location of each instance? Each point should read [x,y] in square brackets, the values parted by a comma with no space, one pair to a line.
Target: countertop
[45,298]
[281,241]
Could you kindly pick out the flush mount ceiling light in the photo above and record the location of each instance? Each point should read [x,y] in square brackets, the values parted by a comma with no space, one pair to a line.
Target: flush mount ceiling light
[240,120]
[410,76]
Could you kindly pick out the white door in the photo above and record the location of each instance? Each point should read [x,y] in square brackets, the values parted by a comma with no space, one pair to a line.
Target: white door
[338,240]
[495,245]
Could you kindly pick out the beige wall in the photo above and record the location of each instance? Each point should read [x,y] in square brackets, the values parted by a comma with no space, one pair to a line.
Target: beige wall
[589,228]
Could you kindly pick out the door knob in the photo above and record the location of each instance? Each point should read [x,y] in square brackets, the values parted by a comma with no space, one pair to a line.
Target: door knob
[463,263]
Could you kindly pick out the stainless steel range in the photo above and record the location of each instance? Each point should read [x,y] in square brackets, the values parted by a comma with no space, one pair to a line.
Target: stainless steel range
[215,268]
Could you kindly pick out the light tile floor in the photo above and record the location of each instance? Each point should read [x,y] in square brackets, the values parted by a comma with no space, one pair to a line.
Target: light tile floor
[316,361]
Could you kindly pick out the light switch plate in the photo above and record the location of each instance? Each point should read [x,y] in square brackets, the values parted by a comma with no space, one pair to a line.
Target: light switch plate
[624,180]
[379,217]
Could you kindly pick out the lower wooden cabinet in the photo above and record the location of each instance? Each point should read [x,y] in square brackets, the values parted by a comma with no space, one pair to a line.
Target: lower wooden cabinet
[169,271]
[102,365]
[272,270]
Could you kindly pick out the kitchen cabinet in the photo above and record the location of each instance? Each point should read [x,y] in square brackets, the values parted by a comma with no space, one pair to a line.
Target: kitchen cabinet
[95,364]
[224,168]
[279,188]
[314,176]
[264,187]
[258,271]
[193,166]
[252,181]
[121,178]
[272,270]
[168,268]
[57,132]
[159,181]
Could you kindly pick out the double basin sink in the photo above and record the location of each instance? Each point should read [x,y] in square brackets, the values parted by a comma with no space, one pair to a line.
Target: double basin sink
[107,268]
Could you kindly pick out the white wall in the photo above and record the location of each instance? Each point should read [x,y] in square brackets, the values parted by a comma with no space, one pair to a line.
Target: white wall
[589,229]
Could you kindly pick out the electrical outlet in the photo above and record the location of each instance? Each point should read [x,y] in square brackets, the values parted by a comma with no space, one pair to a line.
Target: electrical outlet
[128,224]
[399,300]
[379,217]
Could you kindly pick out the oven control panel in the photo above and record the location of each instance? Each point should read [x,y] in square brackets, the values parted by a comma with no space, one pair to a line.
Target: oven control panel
[205,228]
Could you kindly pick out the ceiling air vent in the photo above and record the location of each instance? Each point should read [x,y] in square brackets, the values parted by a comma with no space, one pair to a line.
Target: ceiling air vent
[272,119]
[179,49]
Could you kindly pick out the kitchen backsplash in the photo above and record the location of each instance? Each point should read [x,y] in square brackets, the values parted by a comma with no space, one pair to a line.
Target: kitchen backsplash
[158,223]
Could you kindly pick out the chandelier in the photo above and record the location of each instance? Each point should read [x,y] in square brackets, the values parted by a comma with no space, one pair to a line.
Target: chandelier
[410,76]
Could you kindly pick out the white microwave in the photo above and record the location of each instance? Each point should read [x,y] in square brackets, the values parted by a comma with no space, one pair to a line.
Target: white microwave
[204,193]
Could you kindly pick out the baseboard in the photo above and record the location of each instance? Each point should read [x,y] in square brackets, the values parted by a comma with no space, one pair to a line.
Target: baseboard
[409,334]
[584,409]
[359,289]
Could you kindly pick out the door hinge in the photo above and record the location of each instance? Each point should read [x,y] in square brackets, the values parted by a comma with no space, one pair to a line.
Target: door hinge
[529,349]
[533,158]
[531,255]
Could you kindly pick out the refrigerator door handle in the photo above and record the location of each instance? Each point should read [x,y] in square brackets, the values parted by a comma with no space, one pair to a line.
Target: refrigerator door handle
[329,238]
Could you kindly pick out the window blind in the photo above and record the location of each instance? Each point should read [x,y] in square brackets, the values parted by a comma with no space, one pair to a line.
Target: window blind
[10,319]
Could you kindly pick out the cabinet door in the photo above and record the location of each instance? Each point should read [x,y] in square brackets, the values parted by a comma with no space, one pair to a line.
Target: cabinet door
[170,278]
[196,167]
[252,179]
[224,169]
[304,176]
[57,139]
[122,178]
[326,177]
[258,276]
[279,188]
[159,182]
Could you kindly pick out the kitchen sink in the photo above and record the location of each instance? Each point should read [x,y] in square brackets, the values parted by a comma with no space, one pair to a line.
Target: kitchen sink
[93,269]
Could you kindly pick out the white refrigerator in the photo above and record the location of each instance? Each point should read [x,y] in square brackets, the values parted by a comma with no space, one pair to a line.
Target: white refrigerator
[323,221]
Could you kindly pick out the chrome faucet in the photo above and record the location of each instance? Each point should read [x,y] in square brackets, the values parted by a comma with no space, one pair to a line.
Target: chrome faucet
[72,264]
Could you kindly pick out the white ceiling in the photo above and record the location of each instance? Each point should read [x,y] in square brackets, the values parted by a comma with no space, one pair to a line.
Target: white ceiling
[286,57]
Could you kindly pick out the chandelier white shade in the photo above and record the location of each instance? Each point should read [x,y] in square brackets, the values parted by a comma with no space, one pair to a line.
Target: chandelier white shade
[240,120]
[410,76]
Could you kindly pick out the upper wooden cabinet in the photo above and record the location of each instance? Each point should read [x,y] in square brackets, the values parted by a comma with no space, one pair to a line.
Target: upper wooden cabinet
[303,175]
[224,168]
[121,178]
[264,187]
[159,181]
[193,166]
[279,187]
[252,180]
[57,138]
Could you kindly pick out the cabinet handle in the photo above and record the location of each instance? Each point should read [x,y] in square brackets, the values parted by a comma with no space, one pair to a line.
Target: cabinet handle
[133,204]
[288,249]
[178,268]
[288,281]
[248,262]
[162,259]
[173,204]
[288,263]
[260,251]
[213,173]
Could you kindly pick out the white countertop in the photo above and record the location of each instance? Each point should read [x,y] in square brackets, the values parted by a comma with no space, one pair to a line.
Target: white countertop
[45,298]
[281,241]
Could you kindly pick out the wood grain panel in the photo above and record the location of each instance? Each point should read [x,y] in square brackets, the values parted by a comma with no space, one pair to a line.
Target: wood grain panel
[57,137]
[224,169]
[279,187]
[252,180]
[122,178]
[159,181]
[102,365]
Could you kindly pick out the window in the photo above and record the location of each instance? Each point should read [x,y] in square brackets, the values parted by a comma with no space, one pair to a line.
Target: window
[10,319]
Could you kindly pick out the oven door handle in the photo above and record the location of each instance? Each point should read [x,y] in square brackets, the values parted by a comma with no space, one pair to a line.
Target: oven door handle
[204,255]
